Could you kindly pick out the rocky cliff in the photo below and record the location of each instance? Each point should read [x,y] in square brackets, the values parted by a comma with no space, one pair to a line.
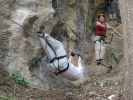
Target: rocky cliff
[68,21]
[20,47]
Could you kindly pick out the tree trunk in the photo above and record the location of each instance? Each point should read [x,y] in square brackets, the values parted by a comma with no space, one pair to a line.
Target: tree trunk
[127,17]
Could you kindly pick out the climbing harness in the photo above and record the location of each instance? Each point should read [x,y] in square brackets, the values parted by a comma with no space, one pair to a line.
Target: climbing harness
[59,71]
[57,58]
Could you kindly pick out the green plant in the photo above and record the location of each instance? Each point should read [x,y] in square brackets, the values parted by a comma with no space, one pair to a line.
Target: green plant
[7,98]
[19,79]
[116,55]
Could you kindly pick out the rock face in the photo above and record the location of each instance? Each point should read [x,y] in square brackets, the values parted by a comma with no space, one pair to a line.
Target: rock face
[76,22]
[127,16]
[20,51]
[23,44]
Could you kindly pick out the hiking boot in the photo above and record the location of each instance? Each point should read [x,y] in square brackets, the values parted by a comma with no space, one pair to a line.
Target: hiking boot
[98,62]
[41,34]
[109,68]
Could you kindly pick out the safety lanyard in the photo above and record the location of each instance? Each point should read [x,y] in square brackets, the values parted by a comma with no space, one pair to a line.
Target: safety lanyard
[57,58]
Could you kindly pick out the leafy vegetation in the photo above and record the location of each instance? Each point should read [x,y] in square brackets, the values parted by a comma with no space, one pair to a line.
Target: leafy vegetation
[7,98]
[19,79]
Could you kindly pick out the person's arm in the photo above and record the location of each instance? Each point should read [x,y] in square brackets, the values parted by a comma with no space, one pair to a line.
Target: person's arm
[99,24]
[70,50]
[70,58]
[79,62]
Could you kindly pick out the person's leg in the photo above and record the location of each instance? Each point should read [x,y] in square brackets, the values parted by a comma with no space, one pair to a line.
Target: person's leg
[53,42]
[97,47]
[97,51]
[57,46]
[47,49]
[102,50]
[54,48]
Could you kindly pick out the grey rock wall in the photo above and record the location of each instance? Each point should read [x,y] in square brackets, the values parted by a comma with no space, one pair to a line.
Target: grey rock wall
[20,51]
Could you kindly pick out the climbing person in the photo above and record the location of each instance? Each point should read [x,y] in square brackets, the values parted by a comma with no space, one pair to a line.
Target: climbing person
[58,59]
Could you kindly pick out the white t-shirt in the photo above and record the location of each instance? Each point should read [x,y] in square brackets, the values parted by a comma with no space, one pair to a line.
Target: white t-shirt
[74,72]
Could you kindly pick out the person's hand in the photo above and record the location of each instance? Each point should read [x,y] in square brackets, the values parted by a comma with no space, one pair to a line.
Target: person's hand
[70,49]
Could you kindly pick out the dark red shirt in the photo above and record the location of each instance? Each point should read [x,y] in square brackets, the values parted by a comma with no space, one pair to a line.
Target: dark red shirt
[101,30]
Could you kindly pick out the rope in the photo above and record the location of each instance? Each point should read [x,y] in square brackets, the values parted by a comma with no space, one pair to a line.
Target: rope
[111,38]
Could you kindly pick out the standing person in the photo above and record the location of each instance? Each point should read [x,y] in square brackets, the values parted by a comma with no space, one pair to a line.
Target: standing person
[100,43]
[101,29]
